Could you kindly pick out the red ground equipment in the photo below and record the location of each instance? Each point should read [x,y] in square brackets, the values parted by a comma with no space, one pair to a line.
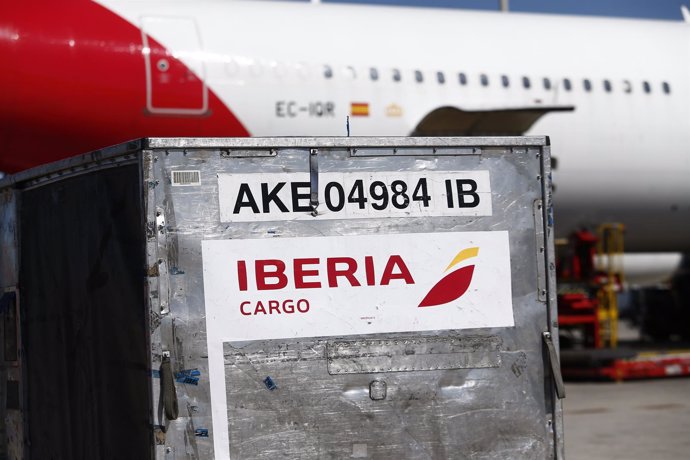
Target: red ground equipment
[590,277]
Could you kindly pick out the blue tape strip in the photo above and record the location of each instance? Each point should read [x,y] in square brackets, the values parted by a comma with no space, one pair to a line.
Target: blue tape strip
[188,373]
[187,380]
[270,384]
[188,376]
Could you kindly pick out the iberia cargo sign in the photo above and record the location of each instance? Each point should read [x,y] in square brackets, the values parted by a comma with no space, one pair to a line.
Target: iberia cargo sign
[343,285]
[273,288]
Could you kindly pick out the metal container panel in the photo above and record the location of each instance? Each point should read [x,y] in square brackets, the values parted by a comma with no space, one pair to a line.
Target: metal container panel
[441,393]
[453,383]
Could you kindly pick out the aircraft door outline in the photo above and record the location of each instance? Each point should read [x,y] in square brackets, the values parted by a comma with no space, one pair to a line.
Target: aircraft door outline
[175,70]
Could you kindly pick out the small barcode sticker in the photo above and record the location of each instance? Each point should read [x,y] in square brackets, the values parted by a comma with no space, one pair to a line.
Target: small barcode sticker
[186,178]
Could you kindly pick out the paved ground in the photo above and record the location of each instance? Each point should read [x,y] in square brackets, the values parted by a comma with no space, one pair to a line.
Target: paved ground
[639,420]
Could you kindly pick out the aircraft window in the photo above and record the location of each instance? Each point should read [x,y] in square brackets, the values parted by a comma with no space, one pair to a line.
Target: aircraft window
[666,87]
[232,67]
[373,74]
[484,79]
[256,68]
[627,87]
[547,83]
[567,85]
[504,81]
[327,71]
[396,75]
[440,77]
[647,87]
[418,76]
[462,78]
[607,86]
[302,70]
[351,72]
[526,83]
[587,84]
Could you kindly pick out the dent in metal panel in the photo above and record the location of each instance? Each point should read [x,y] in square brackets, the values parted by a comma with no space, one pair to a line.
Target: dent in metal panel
[407,355]
[282,402]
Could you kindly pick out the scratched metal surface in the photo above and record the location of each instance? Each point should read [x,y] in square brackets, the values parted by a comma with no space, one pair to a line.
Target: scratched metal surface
[488,400]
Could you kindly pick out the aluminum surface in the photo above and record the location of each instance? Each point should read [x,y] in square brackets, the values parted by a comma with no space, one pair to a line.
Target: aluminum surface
[454,393]
[480,404]
[345,142]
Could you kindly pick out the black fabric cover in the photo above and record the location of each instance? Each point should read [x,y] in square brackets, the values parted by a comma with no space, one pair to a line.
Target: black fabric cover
[84,322]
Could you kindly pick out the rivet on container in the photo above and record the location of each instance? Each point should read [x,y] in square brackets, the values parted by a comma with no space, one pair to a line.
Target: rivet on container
[377,390]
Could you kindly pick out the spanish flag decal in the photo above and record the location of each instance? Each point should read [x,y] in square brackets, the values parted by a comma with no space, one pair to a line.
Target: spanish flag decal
[359,109]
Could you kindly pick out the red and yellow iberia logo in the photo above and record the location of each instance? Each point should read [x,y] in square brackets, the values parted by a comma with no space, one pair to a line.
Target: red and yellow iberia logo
[453,285]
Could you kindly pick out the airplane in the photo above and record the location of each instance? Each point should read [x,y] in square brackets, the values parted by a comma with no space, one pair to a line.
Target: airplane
[612,94]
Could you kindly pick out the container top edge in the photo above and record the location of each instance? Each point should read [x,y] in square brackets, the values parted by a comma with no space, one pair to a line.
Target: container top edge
[344,142]
[103,155]
[133,146]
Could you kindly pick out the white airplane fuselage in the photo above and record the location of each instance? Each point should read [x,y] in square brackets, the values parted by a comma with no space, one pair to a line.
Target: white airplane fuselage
[276,69]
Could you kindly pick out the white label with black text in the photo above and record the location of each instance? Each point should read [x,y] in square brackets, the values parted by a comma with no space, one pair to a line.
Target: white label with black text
[354,195]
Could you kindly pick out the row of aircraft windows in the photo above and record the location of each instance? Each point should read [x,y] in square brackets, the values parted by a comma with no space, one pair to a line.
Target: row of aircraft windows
[463,79]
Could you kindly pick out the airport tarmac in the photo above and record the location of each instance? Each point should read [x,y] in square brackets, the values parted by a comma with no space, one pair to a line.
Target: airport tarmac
[634,420]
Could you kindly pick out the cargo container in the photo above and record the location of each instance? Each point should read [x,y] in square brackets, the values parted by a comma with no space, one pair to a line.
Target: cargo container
[263,298]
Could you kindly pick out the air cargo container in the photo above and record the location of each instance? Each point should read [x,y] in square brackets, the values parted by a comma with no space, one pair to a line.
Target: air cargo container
[264,298]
